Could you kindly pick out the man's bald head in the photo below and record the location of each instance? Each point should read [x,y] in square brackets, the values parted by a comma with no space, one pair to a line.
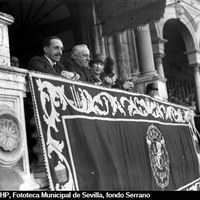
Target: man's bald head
[81,55]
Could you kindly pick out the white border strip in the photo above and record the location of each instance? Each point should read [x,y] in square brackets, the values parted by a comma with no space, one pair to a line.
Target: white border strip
[188,184]
[121,119]
[64,80]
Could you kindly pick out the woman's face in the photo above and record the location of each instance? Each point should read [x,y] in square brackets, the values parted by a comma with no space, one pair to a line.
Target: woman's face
[128,85]
[98,68]
[153,93]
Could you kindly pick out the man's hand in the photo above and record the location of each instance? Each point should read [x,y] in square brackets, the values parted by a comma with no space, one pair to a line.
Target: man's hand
[70,75]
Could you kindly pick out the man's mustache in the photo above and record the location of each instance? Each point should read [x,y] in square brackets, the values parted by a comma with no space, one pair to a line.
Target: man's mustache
[58,54]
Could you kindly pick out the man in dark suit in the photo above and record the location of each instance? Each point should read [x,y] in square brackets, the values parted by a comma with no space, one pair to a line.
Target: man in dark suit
[49,62]
[79,63]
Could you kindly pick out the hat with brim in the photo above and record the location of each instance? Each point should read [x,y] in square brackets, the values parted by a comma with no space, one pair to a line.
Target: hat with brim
[150,87]
[98,58]
[125,78]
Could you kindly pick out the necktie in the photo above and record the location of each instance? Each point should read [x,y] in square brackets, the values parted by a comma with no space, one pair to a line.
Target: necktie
[55,67]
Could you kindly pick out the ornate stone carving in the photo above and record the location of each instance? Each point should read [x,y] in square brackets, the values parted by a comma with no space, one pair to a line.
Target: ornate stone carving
[9,134]
[11,140]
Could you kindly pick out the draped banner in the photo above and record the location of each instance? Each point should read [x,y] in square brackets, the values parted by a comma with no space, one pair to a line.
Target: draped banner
[95,138]
[117,15]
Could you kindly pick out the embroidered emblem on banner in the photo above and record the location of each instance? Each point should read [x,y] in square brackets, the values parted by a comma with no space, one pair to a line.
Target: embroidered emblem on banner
[158,156]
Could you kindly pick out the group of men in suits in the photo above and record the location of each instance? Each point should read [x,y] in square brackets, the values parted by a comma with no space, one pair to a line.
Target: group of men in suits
[75,68]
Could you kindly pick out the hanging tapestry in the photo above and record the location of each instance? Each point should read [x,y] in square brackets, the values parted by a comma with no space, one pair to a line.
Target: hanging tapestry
[95,138]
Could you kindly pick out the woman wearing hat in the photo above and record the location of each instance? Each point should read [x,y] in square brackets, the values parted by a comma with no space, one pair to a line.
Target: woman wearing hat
[152,90]
[98,65]
[124,82]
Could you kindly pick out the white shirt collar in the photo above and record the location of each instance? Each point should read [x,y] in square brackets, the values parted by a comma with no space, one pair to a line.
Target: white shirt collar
[50,61]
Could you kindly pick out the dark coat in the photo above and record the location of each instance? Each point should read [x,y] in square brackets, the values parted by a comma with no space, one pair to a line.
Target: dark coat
[41,64]
[118,85]
[85,74]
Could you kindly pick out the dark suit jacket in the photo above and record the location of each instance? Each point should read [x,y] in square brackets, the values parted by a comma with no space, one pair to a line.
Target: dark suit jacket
[41,64]
[86,75]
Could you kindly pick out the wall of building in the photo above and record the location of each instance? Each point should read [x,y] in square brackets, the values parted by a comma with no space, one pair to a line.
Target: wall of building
[180,28]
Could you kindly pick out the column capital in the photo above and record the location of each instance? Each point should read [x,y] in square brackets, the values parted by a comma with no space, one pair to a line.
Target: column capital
[143,28]
[193,56]
[160,41]
[158,47]
[6,19]
[195,66]
[159,55]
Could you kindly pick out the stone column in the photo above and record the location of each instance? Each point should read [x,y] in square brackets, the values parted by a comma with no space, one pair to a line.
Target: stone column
[122,47]
[158,50]
[159,66]
[145,51]
[194,61]
[5,21]
[110,51]
[99,40]
[197,85]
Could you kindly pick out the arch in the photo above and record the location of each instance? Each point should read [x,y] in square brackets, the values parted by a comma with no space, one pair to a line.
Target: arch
[179,53]
[185,24]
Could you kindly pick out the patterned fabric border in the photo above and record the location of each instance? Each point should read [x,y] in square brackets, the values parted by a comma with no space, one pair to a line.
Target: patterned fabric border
[95,138]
